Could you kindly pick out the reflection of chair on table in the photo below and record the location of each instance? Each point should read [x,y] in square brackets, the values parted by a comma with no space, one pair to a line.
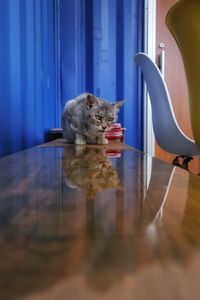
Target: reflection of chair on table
[183,21]
[167,132]
[158,189]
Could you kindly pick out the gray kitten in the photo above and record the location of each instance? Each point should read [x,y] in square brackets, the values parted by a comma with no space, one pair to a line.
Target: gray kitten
[86,119]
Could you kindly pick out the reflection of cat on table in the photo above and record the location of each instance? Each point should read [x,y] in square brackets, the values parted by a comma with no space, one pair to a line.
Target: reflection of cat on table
[89,169]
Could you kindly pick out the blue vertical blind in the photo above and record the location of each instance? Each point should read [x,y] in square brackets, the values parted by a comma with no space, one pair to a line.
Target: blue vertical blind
[90,43]
[28,91]
[98,40]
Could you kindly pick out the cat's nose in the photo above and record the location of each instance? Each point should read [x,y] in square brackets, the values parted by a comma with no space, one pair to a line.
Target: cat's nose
[104,127]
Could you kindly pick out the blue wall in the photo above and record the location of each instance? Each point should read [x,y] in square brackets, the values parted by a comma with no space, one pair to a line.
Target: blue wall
[27,73]
[98,39]
[52,50]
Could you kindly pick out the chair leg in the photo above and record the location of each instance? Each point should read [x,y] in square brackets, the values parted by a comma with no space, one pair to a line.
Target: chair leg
[175,161]
[182,161]
[185,164]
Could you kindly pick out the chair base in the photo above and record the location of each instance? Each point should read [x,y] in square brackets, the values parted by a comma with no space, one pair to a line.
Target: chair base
[182,161]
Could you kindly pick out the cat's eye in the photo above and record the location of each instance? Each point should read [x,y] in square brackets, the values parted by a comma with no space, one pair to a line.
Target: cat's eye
[98,117]
[111,119]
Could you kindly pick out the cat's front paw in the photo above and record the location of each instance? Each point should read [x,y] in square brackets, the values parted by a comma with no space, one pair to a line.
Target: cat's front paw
[102,141]
[80,141]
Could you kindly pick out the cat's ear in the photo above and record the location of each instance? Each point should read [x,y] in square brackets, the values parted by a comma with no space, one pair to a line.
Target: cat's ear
[91,100]
[118,105]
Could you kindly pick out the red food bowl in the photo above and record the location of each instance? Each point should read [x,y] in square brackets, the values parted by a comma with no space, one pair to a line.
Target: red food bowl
[114,133]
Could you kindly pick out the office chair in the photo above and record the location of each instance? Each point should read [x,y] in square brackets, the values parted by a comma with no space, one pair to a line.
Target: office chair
[183,21]
[168,134]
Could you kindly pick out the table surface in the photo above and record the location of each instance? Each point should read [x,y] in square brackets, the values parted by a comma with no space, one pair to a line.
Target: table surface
[97,222]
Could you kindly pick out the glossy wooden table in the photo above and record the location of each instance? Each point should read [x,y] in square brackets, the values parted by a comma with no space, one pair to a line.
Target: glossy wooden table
[97,223]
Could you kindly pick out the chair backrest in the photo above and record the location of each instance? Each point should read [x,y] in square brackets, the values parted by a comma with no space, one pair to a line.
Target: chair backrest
[183,21]
[166,129]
